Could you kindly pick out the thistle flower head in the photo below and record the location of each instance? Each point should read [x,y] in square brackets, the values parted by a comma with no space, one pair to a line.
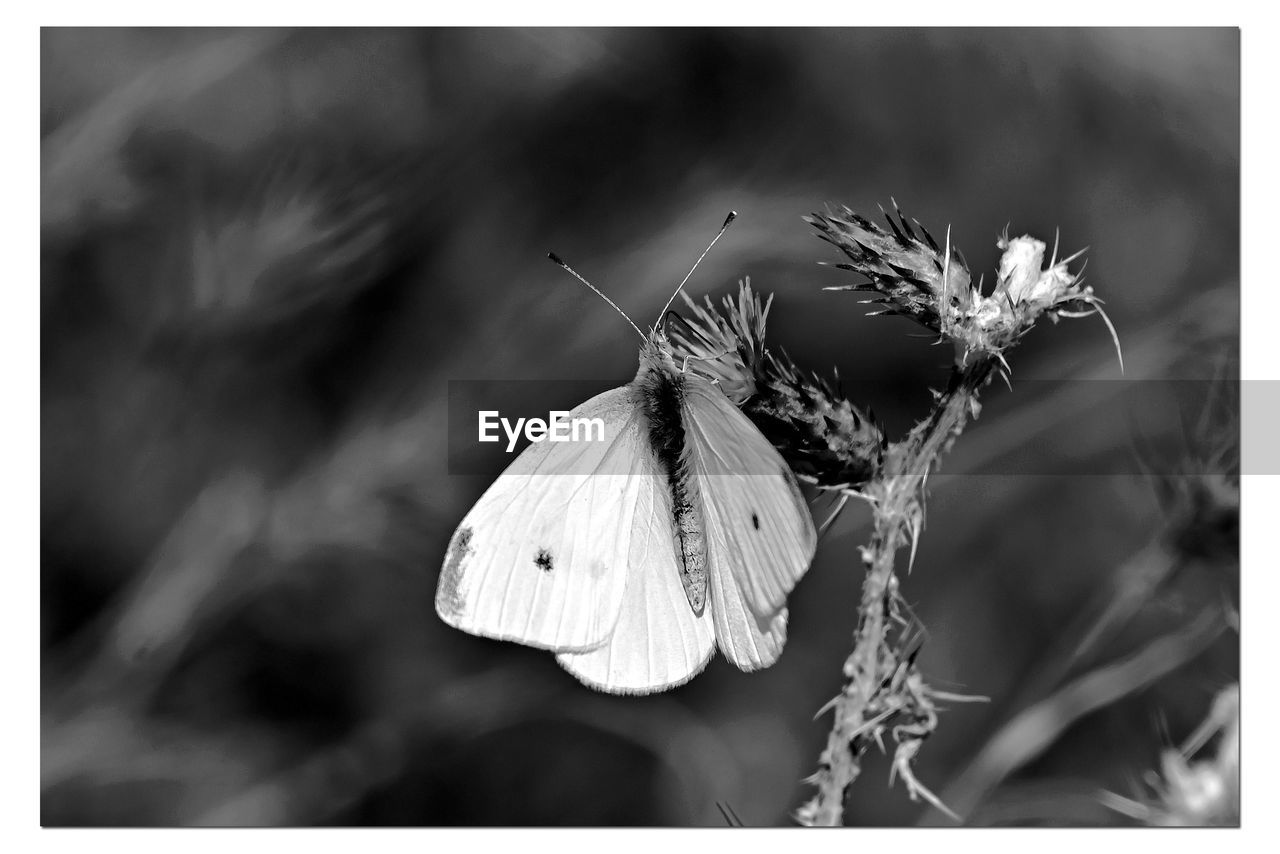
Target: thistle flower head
[1193,792]
[726,346]
[1021,276]
[912,276]
[823,437]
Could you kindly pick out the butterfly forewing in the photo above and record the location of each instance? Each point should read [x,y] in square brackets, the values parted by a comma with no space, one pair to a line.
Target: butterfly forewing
[541,558]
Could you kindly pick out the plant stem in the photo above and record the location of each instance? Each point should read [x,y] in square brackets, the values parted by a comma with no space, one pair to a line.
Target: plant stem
[872,695]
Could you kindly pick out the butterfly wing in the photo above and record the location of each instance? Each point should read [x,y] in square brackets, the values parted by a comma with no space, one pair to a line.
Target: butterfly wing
[749,641]
[760,534]
[541,558]
[658,642]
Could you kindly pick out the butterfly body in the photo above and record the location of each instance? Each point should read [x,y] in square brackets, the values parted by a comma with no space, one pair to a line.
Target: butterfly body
[660,387]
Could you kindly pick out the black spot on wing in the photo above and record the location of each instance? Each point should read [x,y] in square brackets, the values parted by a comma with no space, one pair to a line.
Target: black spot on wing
[542,560]
[755,521]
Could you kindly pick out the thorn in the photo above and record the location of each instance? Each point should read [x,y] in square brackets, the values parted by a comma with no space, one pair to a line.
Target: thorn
[927,236]
[1115,338]
[902,218]
[944,312]
[827,706]
[902,764]
[915,541]
[870,253]
[870,725]
[947,696]
[902,240]
[860,220]
[844,499]
[1005,371]
[1075,256]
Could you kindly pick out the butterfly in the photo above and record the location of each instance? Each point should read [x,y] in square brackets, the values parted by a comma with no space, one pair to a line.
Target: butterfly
[635,557]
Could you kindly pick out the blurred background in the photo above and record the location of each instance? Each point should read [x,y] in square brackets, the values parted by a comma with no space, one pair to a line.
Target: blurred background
[265,254]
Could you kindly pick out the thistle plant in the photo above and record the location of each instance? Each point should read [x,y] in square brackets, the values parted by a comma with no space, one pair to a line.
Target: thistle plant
[842,450]
[1191,791]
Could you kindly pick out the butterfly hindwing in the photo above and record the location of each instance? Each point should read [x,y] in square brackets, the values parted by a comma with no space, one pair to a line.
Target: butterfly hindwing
[761,537]
[750,642]
[542,557]
[658,642]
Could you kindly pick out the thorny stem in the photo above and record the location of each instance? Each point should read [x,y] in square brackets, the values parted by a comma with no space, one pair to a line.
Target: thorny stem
[865,701]
[841,449]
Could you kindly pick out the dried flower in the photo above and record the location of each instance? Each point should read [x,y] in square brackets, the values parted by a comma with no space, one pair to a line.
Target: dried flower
[915,278]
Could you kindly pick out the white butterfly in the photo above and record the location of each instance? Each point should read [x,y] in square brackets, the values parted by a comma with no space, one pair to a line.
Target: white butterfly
[635,557]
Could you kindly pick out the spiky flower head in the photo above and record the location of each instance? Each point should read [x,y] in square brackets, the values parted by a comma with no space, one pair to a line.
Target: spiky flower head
[823,437]
[1196,792]
[914,277]
[910,274]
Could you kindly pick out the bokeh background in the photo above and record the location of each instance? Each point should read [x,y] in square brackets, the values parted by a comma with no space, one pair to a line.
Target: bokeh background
[265,254]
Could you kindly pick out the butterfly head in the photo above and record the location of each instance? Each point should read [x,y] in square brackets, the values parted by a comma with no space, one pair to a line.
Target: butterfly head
[657,352]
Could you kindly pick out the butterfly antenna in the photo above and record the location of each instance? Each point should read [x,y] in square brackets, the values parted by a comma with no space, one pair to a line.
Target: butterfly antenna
[556,258]
[730,218]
